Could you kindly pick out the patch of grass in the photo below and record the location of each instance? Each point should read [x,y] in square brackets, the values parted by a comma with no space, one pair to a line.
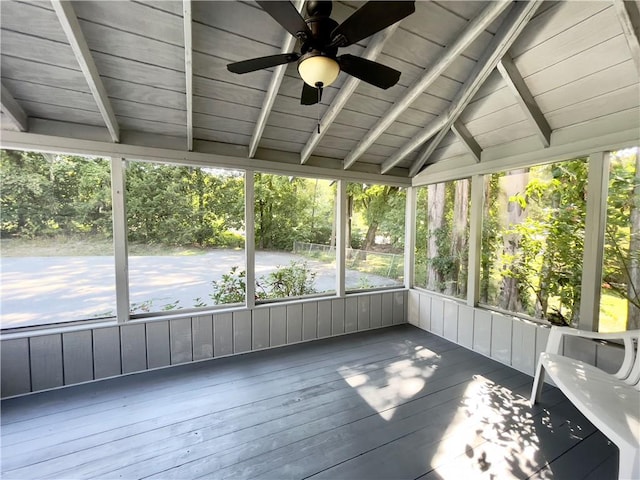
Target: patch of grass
[613,313]
[84,247]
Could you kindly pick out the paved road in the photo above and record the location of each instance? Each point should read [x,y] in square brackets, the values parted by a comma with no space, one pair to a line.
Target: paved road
[40,290]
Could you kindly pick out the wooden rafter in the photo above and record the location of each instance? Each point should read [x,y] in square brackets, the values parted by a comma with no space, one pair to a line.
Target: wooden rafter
[188,69]
[467,139]
[69,21]
[374,47]
[272,90]
[448,56]
[515,82]
[510,29]
[629,16]
[12,109]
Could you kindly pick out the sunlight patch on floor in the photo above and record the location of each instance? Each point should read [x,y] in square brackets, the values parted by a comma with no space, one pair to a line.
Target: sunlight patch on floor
[401,381]
[492,435]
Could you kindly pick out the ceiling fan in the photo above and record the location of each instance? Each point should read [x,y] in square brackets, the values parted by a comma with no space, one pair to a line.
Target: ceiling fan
[320,37]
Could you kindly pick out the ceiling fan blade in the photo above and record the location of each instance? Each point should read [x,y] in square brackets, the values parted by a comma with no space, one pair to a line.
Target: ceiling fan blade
[369,19]
[259,63]
[286,15]
[371,72]
[309,95]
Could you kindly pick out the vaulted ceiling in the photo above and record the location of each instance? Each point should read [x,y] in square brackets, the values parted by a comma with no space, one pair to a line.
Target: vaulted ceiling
[479,80]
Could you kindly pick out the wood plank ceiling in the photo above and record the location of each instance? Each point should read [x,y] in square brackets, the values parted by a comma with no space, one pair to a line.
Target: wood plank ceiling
[476,76]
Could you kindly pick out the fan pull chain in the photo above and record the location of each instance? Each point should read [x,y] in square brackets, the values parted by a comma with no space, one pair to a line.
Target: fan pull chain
[318,109]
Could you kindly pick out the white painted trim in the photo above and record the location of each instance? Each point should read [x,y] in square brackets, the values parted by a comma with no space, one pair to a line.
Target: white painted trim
[341,240]
[510,29]
[628,13]
[12,109]
[273,89]
[250,238]
[57,144]
[410,236]
[475,27]
[518,87]
[593,254]
[71,26]
[475,239]
[374,47]
[120,242]
[465,137]
[188,68]
[520,154]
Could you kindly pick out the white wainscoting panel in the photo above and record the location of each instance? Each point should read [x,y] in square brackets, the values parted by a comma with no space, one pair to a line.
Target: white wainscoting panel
[222,334]
[39,361]
[501,337]
[437,315]
[465,326]
[450,324]
[202,337]
[482,332]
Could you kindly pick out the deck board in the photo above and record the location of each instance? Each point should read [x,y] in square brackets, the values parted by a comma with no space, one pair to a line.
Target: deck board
[391,403]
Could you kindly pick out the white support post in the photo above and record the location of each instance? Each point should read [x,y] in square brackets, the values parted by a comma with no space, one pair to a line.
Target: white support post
[188,69]
[120,249]
[512,25]
[409,237]
[521,92]
[341,240]
[594,227]
[460,131]
[71,27]
[474,28]
[475,240]
[12,109]
[628,13]
[272,91]
[250,241]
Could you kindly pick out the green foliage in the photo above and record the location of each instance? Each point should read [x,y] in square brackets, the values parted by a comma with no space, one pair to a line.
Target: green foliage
[230,288]
[294,280]
[292,209]
[64,195]
[542,252]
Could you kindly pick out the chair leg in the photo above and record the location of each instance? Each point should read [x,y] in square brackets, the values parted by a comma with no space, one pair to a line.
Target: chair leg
[538,383]
[629,466]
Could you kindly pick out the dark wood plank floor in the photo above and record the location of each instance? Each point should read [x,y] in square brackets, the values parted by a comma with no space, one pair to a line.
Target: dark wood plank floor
[391,403]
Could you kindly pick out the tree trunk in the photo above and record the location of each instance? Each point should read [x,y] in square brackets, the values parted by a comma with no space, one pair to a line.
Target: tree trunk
[486,256]
[516,182]
[435,219]
[348,232]
[457,284]
[370,237]
[633,286]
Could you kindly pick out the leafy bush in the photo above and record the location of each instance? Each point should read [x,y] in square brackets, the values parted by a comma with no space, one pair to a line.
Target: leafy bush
[294,280]
[231,287]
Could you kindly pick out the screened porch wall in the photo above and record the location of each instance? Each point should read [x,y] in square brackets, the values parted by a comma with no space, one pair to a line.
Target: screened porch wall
[48,359]
[508,339]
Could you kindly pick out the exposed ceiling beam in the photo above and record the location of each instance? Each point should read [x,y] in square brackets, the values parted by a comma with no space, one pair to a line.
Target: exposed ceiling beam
[475,27]
[188,69]
[12,109]
[629,16]
[466,139]
[205,153]
[71,26]
[511,27]
[272,90]
[515,82]
[374,47]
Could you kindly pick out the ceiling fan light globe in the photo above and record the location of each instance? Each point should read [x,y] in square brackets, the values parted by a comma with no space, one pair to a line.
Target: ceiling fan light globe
[318,69]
